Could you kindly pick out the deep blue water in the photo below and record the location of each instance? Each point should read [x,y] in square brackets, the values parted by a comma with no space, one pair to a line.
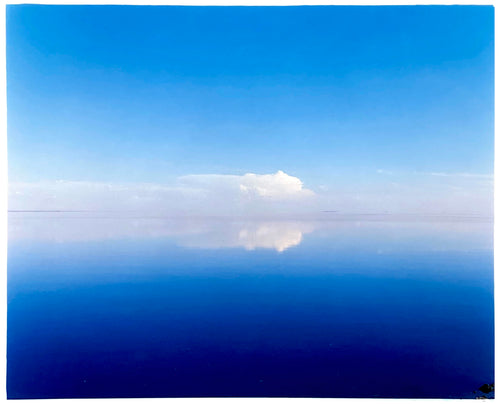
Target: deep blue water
[131,307]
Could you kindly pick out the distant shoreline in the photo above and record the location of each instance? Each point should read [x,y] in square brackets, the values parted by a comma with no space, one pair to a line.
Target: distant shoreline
[321,215]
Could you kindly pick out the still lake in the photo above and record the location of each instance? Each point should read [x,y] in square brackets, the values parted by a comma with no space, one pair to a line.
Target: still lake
[103,305]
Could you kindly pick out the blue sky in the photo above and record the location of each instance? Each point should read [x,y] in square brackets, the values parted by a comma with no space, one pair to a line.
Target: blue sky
[339,97]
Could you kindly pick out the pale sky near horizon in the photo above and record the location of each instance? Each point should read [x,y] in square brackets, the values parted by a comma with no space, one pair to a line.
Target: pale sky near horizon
[251,109]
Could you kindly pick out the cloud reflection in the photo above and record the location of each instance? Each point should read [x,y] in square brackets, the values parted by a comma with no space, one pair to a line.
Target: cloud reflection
[268,236]
[279,235]
[203,233]
[383,235]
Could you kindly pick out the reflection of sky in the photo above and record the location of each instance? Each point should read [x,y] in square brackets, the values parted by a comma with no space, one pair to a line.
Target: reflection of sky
[136,307]
[382,233]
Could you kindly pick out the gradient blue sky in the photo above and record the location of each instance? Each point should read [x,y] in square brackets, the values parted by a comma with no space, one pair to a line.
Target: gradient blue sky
[332,95]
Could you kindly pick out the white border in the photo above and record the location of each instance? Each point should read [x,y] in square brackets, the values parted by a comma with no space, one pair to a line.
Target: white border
[257,2]
[4,182]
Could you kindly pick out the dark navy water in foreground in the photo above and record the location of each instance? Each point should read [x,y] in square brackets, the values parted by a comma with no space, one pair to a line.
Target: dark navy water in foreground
[354,307]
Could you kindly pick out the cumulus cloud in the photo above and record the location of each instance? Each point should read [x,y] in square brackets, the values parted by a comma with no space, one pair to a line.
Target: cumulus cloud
[276,186]
[191,194]
[265,195]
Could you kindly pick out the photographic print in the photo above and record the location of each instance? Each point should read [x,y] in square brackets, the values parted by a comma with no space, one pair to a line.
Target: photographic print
[250,201]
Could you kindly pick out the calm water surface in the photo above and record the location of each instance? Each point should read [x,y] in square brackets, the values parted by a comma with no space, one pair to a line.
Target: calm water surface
[106,306]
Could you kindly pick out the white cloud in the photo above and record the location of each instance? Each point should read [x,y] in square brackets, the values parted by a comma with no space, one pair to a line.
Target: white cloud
[463,175]
[191,194]
[85,195]
[274,186]
[264,195]
[278,186]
